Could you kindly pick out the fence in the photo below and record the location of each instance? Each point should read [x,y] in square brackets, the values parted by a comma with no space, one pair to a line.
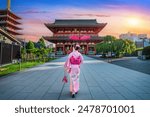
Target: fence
[8,52]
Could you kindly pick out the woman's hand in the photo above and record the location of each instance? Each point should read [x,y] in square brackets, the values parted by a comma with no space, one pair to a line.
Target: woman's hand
[69,70]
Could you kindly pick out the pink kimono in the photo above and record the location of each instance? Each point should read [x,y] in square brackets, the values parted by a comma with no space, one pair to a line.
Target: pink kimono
[72,66]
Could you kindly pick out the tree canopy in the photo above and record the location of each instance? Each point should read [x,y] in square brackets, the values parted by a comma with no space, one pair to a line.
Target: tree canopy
[30,47]
[117,46]
[42,43]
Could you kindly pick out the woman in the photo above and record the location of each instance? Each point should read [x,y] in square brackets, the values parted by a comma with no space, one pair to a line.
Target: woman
[72,66]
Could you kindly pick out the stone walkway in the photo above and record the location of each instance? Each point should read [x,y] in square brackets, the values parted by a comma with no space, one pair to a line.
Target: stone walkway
[134,63]
[98,80]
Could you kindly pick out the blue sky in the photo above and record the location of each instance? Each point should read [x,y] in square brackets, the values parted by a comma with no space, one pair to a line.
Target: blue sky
[116,13]
[80,3]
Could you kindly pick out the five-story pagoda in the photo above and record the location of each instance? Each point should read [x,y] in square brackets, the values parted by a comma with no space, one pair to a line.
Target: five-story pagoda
[9,21]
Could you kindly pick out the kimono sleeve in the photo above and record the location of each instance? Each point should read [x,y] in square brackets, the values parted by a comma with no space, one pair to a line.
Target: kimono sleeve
[67,64]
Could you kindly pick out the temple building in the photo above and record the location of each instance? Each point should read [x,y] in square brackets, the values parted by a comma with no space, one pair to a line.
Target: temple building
[67,32]
[7,38]
[9,21]
[10,46]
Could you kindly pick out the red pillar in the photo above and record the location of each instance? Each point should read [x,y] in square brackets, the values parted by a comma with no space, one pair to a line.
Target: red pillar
[87,48]
[55,48]
[94,48]
[63,49]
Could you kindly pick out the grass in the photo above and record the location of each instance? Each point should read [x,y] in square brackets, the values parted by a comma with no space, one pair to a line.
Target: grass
[16,67]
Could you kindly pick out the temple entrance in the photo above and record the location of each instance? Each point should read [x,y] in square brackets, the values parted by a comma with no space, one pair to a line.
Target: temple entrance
[81,31]
[68,49]
[91,50]
[83,49]
[59,50]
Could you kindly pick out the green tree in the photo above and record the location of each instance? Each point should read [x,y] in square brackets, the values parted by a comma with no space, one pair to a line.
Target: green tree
[30,47]
[106,46]
[42,51]
[131,47]
[118,46]
[146,51]
[30,50]
[23,54]
[42,43]
[109,39]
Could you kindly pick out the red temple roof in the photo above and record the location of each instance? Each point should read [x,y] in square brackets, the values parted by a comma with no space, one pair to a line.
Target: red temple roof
[9,36]
[9,18]
[75,23]
[8,12]
[12,31]
[9,22]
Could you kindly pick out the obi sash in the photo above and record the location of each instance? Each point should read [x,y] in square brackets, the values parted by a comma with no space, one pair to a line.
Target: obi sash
[75,61]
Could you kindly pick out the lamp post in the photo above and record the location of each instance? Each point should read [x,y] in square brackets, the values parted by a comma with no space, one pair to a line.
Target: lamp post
[110,52]
[143,41]
[1,52]
[143,37]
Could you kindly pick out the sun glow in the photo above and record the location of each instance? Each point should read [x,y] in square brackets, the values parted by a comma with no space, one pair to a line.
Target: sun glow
[133,21]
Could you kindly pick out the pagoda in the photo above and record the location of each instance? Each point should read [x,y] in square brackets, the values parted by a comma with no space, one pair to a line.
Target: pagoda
[9,21]
[67,32]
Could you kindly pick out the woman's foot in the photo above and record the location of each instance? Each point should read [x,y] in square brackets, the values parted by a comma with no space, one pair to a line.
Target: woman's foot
[73,95]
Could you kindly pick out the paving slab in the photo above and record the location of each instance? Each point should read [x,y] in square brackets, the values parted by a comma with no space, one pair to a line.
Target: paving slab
[99,80]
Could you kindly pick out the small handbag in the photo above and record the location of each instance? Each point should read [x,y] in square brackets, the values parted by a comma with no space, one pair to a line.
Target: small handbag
[65,80]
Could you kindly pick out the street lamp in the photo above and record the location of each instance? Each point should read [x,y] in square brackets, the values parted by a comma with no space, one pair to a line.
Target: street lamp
[110,52]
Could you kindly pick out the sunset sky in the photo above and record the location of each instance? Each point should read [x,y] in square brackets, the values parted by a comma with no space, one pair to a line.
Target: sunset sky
[122,16]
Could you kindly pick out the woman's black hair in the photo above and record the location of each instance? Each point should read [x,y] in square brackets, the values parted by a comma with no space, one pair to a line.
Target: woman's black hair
[77,48]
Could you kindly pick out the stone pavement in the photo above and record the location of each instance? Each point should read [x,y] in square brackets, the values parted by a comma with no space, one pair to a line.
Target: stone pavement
[134,63]
[128,62]
[99,80]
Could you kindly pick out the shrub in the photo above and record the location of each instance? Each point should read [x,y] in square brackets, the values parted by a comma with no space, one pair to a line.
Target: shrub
[146,51]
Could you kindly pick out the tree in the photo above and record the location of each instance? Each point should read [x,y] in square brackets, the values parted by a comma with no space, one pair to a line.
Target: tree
[118,46]
[106,46]
[109,39]
[41,43]
[23,53]
[42,51]
[30,49]
[146,51]
[131,46]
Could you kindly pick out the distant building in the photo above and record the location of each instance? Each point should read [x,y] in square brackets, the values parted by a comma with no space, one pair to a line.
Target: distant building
[131,36]
[147,42]
[141,40]
[49,44]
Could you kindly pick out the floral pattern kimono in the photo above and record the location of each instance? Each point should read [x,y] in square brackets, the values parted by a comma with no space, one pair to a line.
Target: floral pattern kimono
[72,66]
